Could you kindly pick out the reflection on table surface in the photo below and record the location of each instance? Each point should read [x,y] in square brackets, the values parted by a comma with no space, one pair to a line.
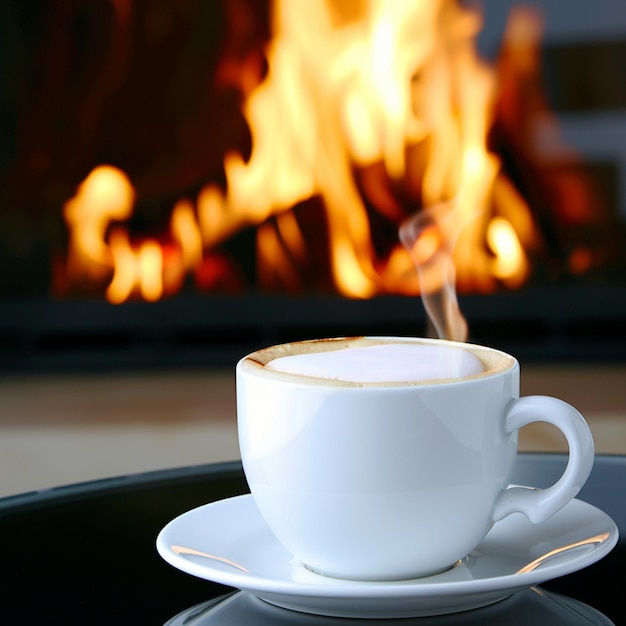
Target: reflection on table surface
[533,606]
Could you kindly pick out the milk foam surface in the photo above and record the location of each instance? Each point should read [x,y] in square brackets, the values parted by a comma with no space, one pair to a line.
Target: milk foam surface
[392,362]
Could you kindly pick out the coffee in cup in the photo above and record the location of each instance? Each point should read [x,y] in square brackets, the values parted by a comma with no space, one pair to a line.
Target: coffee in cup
[389,458]
[384,363]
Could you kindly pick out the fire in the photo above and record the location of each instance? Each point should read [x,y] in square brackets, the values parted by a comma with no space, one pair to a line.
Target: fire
[509,262]
[186,234]
[377,106]
[105,195]
[135,268]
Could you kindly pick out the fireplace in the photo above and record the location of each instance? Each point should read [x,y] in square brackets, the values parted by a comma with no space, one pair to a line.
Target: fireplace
[137,233]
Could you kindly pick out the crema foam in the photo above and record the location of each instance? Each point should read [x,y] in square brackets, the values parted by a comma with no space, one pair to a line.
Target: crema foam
[385,362]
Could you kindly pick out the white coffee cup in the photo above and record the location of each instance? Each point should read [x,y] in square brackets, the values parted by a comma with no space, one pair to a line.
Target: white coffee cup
[397,479]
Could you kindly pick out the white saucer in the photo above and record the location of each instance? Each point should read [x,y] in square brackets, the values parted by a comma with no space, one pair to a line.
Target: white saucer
[228,542]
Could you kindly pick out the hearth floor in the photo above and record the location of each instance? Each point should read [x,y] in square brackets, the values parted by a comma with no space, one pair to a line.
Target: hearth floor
[63,429]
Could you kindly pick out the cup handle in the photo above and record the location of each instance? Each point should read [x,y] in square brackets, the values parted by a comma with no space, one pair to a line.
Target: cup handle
[540,504]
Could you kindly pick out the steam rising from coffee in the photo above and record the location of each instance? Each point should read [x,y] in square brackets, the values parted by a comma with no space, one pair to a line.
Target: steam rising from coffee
[430,236]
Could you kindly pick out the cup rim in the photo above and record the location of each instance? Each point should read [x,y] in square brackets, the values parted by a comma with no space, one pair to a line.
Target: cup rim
[496,361]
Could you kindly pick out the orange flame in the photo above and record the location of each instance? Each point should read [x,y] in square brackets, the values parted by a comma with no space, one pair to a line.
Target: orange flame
[351,88]
[105,195]
[135,269]
[373,86]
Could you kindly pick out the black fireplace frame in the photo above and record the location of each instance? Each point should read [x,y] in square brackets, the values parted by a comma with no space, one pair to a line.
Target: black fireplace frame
[565,323]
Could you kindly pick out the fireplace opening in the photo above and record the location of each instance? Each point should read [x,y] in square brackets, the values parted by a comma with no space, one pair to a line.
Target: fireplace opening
[185,182]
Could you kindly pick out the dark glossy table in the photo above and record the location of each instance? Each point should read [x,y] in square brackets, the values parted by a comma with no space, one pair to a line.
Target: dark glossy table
[85,554]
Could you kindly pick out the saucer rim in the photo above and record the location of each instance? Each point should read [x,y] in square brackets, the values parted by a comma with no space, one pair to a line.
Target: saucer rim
[258,584]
